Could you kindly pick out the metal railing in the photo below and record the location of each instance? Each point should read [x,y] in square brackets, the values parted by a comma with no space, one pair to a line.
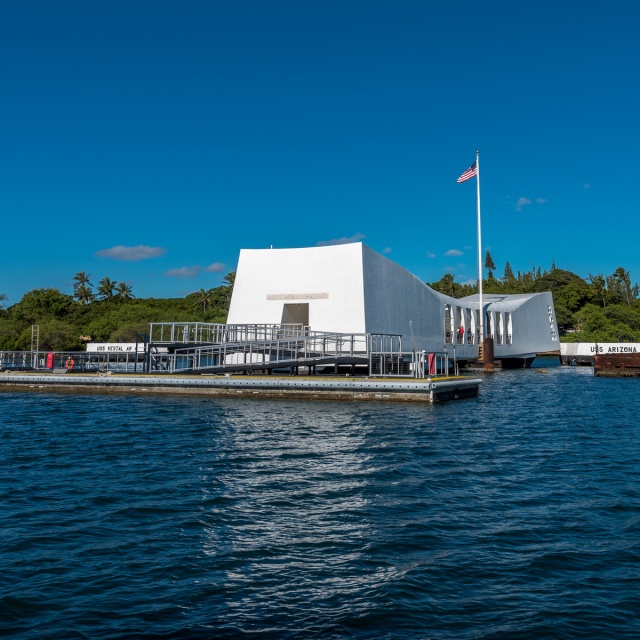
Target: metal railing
[76,361]
[411,364]
[238,349]
[459,337]
[259,354]
[215,333]
[383,354]
[19,360]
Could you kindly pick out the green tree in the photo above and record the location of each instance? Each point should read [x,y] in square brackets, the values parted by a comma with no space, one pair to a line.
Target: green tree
[489,264]
[623,279]
[123,291]
[9,331]
[106,288]
[508,277]
[129,332]
[592,320]
[450,287]
[81,278]
[203,299]
[41,303]
[82,288]
[56,334]
[447,284]
[229,282]
[599,284]
[83,294]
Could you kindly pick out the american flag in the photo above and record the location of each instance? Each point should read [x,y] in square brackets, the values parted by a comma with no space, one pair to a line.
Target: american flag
[471,172]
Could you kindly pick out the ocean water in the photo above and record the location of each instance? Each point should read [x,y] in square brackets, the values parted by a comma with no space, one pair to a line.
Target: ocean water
[515,514]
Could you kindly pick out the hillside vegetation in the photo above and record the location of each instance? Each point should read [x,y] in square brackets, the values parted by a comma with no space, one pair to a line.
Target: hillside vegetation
[110,314]
[604,308]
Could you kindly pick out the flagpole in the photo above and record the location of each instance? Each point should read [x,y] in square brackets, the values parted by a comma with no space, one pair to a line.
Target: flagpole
[479,251]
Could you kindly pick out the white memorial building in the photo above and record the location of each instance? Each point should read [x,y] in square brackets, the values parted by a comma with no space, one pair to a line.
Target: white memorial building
[350,288]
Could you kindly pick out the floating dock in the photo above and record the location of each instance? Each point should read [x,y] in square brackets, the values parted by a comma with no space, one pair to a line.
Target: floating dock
[314,387]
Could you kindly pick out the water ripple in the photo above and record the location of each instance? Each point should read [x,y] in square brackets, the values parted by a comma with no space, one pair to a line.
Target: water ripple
[512,515]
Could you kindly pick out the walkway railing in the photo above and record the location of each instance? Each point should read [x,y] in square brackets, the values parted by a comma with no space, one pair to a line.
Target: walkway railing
[215,333]
[305,348]
[78,361]
[218,348]
[411,364]
[293,348]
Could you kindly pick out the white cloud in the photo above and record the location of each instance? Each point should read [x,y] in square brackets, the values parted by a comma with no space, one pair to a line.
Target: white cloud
[387,250]
[430,254]
[522,202]
[354,238]
[182,272]
[541,200]
[216,267]
[131,254]
[453,252]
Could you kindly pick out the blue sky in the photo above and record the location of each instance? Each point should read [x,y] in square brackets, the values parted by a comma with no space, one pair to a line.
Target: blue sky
[151,141]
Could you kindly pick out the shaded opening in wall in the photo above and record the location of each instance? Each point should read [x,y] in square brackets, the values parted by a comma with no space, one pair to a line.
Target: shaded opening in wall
[296,313]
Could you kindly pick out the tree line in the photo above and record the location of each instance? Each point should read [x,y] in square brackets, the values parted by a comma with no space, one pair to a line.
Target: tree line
[107,289]
[108,313]
[600,308]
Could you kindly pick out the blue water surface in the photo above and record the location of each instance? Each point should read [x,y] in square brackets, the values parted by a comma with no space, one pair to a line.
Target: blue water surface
[515,514]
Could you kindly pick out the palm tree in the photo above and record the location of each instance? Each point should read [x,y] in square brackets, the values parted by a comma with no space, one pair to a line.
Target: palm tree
[83,294]
[229,280]
[203,299]
[106,287]
[123,291]
[82,288]
[624,279]
[600,285]
[82,278]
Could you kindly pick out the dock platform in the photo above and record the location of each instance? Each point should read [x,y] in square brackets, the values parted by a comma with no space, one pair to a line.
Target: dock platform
[428,390]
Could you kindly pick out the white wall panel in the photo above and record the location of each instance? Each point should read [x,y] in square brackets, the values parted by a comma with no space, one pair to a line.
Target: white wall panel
[329,279]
